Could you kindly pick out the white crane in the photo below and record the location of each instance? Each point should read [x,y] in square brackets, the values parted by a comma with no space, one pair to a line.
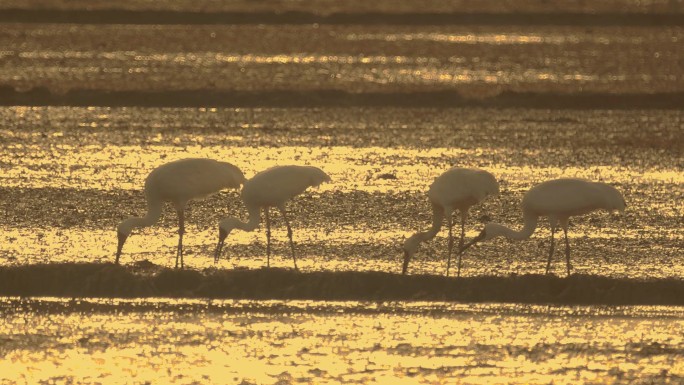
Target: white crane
[557,199]
[179,182]
[456,189]
[271,188]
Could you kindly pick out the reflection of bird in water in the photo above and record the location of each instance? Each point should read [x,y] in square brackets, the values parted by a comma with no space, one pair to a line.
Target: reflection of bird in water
[456,189]
[179,182]
[557,199]
[271,188]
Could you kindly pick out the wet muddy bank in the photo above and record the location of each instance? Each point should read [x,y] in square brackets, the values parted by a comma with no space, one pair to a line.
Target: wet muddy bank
[148,280]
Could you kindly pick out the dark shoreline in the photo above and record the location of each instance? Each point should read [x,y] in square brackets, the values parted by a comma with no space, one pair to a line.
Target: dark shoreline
[79,280]
[119,16]
[41,96]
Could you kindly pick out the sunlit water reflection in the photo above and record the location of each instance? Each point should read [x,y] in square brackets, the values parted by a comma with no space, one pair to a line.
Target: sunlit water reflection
[344,57]
[69,175]
[336,342]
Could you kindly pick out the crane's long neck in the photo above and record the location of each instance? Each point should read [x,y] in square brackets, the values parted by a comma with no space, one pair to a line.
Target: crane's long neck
[412,243]
[227,225]
[437,218]
[154,210]
[252,221]
[530,224]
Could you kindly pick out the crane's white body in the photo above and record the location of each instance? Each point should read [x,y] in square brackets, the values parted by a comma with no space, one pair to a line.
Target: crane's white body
[456,189]
[194,178]
[271,188]
[179,182]
[558,200]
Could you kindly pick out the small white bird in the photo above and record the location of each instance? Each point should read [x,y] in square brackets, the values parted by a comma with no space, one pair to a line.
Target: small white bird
[456,189]
[271,188]
[179,182]
[557,199]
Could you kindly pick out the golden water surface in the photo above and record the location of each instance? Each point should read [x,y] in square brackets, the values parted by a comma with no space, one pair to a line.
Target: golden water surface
[69,175]
[273,342]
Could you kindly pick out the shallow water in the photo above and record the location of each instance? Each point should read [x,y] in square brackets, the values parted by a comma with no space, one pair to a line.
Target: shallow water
[476,60]
[336,342]
[71,174]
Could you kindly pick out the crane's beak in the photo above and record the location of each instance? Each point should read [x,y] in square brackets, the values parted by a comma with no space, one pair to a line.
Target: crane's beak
[222,237]
[119,247]
[473,241]
[404,267]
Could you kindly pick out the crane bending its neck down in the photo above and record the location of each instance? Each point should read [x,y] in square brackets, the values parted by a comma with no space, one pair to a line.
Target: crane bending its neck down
[557,199]
[273,187]
[179,182]
[457,189]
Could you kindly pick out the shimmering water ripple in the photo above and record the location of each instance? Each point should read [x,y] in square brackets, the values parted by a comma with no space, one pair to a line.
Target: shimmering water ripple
[303,341]
[341,57]
[68,175]
[71,174]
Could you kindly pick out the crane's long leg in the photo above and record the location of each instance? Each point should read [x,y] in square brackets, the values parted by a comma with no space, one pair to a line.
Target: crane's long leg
[460,242]
[450,224]
[181,231]
[567,249]
[289,235]
[268,237]
[548,264]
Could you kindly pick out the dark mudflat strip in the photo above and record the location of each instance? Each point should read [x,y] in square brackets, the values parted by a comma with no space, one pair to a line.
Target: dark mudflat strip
[147,280]
[335,98]
[118,16]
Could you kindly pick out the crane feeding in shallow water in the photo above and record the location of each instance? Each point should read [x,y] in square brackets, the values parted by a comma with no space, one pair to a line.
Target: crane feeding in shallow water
[456,189]
[179,182]
[271,188]
[557,199]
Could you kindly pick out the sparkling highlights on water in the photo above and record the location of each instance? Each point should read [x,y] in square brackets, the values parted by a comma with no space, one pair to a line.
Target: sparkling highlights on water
[379,69]
[381,161]
[512,38]
[467,38]
[340,342]
[117,167]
